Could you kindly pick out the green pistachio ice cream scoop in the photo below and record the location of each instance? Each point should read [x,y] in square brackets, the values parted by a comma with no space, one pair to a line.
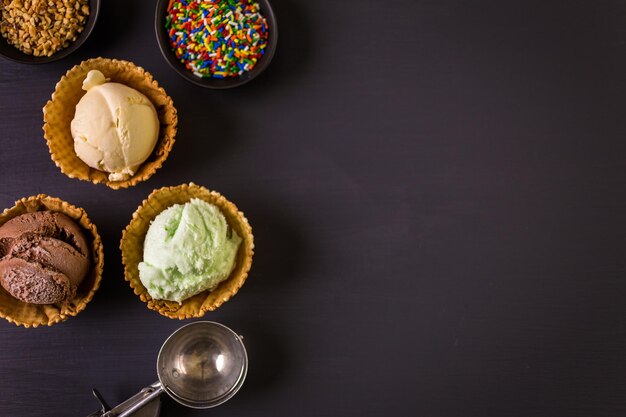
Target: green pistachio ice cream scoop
[188,249]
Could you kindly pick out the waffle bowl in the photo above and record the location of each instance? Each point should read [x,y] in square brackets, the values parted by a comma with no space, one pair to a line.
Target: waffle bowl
[132,250]
[59,112]
[33,315]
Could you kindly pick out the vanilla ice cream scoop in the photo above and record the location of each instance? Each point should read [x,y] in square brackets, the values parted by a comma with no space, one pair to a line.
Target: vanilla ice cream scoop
[115,127]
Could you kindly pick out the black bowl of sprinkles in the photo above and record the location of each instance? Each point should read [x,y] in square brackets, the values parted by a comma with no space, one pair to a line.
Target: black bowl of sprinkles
[216,43]
[38,31]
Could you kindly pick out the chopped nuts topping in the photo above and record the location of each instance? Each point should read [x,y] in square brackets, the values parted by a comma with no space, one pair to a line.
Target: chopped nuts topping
[40,27]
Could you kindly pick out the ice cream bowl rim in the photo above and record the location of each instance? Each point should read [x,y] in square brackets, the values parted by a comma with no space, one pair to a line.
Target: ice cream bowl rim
[133,236]
[56,313]
[57,120]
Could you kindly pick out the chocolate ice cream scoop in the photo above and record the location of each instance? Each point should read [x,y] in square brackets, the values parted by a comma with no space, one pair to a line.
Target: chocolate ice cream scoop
[43,257]
[43,223]
[33,283]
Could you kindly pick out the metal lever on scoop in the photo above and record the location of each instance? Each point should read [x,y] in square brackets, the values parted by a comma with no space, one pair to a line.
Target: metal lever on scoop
[104,407]
[137,401]
[201,365]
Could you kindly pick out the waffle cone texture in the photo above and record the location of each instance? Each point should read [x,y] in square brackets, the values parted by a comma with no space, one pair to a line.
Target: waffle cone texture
[59,112]
[33,315]
[135,233]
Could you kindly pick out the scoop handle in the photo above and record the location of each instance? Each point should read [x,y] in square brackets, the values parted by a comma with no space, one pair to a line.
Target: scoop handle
[134,403]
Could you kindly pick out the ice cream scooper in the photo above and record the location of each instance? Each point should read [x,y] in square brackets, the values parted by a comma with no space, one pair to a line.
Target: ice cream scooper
[201,365]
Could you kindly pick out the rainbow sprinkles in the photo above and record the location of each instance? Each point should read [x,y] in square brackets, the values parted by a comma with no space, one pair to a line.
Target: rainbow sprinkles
[217,38]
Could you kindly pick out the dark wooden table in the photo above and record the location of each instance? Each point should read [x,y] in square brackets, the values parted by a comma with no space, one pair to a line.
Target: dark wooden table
[437,190]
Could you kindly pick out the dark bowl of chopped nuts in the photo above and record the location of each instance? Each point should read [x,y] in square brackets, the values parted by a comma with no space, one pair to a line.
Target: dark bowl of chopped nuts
[42,31]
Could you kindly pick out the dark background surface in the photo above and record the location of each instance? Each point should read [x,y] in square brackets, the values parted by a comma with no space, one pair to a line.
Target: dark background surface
[437,194]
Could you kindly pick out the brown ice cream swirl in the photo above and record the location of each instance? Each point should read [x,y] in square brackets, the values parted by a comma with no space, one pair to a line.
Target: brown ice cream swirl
[43,257]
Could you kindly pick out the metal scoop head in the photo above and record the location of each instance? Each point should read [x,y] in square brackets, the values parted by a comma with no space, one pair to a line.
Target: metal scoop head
[202,364]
